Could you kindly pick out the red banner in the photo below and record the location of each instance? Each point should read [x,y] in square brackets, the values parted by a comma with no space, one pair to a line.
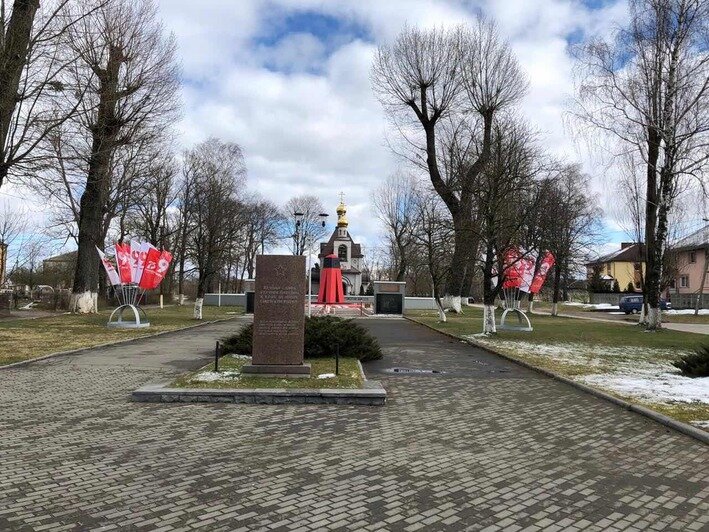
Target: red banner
[124,263]
[156,266]
[511,273]
[547,262]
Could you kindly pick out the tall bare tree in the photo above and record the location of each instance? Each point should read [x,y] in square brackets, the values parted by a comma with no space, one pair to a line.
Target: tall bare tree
[310,229]
[128,69]
[34,100]
[428,76]
[649,87]
[218,174]
[394,202]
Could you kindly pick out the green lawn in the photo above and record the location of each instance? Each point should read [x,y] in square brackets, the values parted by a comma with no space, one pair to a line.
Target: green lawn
[230,376]
[26,339]
[601,354]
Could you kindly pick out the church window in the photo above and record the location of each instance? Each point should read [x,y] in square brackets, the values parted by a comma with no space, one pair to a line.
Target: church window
[342,252]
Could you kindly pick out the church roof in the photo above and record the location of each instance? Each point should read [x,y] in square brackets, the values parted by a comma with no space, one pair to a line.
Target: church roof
[327,248]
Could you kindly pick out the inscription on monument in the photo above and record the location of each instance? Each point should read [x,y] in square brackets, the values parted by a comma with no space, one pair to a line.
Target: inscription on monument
[279,316]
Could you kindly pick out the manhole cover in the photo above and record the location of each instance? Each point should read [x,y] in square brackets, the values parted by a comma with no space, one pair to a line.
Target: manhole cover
[413,370]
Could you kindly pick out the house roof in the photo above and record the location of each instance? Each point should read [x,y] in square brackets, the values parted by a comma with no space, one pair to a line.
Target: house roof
[328,248]
[630,253]
[63,258]
[697,240]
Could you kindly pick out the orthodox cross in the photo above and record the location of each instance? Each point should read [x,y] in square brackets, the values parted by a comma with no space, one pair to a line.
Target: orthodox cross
[342,197]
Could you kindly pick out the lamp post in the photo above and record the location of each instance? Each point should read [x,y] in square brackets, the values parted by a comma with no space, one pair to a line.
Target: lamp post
[308,244]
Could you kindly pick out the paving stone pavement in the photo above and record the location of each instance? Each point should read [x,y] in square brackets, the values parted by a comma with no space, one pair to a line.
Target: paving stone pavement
[486,446]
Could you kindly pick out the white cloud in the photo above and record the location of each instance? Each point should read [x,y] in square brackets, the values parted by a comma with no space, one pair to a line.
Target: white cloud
[301,105]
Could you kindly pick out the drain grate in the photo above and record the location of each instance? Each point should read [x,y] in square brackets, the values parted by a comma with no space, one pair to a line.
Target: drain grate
[417,371]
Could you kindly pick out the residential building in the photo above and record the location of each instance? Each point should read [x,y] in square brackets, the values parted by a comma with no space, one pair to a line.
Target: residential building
[689,260]
[626,265]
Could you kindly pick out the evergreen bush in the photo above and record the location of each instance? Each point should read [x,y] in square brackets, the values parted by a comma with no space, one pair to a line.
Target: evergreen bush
[322,335]
[694,364]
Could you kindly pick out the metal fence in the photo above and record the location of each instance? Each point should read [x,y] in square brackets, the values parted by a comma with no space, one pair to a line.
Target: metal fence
[239,300]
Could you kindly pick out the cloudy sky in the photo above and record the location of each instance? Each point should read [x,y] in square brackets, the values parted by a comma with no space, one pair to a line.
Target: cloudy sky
[289,81]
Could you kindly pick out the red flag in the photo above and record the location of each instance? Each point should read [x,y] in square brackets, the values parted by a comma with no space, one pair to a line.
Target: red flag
[124,263]
[544,267]
[156,266]
[147,277]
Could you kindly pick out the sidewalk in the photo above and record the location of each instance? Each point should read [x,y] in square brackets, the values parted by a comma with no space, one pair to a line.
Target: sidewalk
[485,443]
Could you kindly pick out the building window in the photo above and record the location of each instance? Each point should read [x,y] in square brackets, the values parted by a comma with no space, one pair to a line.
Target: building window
[342,253]
[673,283]
[692,257]
[684,282]
[608,268]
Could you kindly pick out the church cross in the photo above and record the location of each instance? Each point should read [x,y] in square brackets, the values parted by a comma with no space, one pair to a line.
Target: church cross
[342,197]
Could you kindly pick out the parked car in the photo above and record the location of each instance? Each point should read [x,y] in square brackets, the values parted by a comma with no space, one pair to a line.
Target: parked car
[634,304]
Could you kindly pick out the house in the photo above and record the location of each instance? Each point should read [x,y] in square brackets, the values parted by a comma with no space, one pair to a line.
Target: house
[689,260]
[58,271]
[626,265]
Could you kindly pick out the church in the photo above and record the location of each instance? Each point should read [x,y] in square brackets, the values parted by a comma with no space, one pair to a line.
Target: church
[348,251]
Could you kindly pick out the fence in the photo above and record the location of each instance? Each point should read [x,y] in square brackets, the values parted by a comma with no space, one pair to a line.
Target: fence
[239,300]
[688,300]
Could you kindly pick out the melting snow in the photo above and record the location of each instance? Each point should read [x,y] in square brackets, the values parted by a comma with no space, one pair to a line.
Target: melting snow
[641,372]
[656,387]
[213,376]
[327,376]
[240,357]
[702,311]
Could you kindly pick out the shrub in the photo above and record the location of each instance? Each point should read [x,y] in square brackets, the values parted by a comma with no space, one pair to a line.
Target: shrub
[630,288]
[694,364]
[322,335]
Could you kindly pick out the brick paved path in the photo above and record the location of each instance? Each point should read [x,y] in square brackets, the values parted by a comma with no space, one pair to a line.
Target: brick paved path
[486,446]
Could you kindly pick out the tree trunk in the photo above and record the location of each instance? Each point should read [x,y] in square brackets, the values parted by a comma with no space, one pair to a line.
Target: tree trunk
[93,200]
[700,296]
[555,296]
[489,295]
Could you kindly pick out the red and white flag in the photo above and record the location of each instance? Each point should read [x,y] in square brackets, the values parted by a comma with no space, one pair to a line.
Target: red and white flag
[124,263]
[147,279]
[113,276]
[526,268]
[547,262]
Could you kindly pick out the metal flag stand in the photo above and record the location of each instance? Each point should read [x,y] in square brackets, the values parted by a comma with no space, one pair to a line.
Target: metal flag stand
[129,298]
[512,304]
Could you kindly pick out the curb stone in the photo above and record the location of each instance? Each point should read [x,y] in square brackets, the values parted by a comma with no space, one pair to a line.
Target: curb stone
[371,394]
[109,344]
[679,426]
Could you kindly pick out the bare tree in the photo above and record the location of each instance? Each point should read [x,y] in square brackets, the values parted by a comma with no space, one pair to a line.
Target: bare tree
[128,70]
[507,203]
[466,74]
[394,202]
[33,97]
[310,229]
[432,235]
[649,87]
[570,224]
[217,174]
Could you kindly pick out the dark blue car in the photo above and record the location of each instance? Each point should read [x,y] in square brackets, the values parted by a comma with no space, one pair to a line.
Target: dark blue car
[634,304]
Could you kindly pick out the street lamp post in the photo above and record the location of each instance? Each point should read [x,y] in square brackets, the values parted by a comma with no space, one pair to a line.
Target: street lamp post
[308,244]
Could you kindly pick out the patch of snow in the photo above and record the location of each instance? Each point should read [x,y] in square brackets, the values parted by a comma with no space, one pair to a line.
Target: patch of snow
[617,313]
[701,424]
[686,311]
[213,376]
[327,376]
[642,372]
[240,357]
[656,387]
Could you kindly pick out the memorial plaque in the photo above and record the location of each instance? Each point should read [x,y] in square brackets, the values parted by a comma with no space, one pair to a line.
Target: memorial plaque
[279,316]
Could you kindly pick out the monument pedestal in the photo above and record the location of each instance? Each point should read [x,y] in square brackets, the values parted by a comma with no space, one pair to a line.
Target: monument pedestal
[291,371]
